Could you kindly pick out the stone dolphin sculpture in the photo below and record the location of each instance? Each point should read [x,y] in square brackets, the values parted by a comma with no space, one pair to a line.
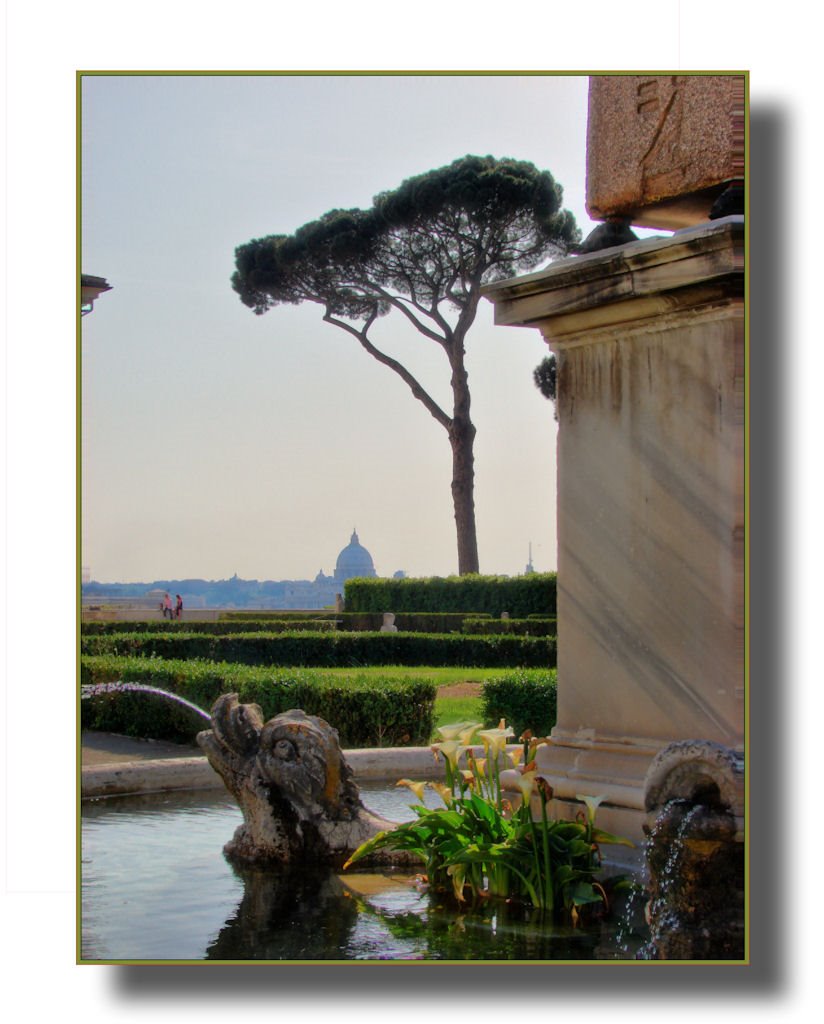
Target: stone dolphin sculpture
[299,800]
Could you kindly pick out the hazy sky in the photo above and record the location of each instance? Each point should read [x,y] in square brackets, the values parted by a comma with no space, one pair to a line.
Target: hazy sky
[216,441]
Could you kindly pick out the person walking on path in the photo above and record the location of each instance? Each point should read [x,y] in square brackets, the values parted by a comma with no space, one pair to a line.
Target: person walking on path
[166,607]
[178,606]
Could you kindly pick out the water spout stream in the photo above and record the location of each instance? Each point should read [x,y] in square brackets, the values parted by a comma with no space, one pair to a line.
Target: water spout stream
[90,690]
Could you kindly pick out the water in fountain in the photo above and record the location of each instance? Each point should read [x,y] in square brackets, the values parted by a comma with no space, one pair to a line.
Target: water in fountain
[171,842]
[696,884]
[90,690]
[631,930]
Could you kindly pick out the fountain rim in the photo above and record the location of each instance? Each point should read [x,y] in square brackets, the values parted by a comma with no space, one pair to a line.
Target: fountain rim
[126,778]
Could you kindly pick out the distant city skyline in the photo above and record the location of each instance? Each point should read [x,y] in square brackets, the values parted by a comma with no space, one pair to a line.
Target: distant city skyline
[87,574]
[217,442]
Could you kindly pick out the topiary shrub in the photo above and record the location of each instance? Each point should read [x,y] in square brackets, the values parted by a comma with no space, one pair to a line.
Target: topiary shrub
[521,596]
[527,700]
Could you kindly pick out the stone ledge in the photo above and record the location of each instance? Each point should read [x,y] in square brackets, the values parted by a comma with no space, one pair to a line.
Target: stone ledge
[131,777]
[644,272]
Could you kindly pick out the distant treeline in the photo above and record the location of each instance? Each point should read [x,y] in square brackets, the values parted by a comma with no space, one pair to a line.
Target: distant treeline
[520,596]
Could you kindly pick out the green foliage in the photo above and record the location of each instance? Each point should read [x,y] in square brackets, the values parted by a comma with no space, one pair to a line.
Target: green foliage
[406,621]
[545,376]
[367,712]
[457,709]
[282,614]
[438,237]
[332,649]
[521,596]
[485,841]
[249,625]
[529,700]
[533,626]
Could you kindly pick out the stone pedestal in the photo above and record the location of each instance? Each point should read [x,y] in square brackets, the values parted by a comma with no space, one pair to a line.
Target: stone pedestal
[649,340]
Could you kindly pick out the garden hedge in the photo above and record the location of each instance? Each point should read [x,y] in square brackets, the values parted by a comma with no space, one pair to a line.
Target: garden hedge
[521,596]
[365,711]
[517,627]
[330,650]
[211,628]
[527,700]
[407,622]
[291,615]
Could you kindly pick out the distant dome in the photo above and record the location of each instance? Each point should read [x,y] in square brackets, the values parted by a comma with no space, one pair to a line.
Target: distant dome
[354,560]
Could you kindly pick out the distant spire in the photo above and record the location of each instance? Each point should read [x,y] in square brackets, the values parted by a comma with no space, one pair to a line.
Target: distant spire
[354,538]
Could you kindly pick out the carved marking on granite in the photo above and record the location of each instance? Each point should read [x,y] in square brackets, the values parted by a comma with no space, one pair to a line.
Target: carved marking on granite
[664,164]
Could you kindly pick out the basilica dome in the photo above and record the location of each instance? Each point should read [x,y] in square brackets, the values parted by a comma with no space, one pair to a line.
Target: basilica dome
[354,560]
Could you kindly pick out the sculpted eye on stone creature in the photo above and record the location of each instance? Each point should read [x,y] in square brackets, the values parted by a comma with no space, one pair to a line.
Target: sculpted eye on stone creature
[292,783]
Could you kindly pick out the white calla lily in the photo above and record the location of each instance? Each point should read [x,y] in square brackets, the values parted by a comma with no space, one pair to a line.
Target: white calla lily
[453,731]
[518,782]
[593,803]
[451,750]
[494,740]
[416,787]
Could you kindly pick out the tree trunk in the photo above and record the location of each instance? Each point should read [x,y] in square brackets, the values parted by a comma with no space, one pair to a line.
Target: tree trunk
[463,486]
[462,439]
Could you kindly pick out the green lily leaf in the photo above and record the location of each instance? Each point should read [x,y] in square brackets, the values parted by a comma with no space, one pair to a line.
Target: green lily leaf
[585,893]
[599,836]
[578,848]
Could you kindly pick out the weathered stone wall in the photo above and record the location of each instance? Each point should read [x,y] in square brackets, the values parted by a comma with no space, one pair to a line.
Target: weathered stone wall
[650,346]
[650,529]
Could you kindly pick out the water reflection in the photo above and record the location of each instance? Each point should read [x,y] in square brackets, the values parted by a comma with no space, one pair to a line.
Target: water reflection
[157,887]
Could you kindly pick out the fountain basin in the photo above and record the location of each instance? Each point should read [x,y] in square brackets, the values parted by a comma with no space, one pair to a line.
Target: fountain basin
[156,888]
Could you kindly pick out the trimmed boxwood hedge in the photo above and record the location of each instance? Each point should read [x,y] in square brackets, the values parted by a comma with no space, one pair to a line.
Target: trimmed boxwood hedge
[211,628]
[521,596]
[527,700]
[406,622]
[288,614]
[333,649]
[517,627]
[365,711]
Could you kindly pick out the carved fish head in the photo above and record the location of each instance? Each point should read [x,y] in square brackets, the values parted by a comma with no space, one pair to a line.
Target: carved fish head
[300,755]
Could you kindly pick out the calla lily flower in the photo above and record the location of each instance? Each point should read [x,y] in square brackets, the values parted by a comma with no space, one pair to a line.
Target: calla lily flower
[465,735]
[416,787]
[544,788]
[451,750]
[515,756]
[518,782]
[444,792]
[452,732]
[527,785]
[494,740]
[457,872]
[593,803]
